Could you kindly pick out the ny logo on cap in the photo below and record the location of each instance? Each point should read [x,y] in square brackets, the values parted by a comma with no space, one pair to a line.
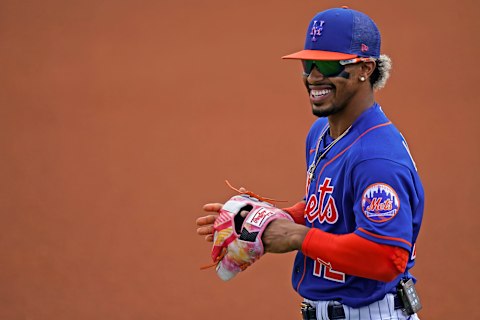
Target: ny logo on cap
[317,29]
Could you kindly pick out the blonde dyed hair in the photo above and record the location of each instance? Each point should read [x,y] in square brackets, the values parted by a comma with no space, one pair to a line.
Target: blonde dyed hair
[382,73]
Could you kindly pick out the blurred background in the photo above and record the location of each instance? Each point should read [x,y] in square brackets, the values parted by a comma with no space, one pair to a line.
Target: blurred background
[120,119]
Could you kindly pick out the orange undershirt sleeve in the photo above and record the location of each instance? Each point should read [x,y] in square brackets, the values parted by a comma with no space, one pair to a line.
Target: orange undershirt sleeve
[354,255]
[297,212]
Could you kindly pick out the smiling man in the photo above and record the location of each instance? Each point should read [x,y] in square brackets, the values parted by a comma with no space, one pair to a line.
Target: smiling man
[356,228]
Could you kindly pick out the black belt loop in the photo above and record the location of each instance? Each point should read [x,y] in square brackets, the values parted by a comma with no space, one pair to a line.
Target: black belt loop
[308,311]
[335,310]
[397,302]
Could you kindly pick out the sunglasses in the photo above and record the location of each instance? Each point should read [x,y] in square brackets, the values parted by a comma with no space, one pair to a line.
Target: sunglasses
[330,68]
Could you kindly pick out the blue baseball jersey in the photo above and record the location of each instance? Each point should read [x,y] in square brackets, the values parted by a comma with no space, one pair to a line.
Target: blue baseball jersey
[366,184]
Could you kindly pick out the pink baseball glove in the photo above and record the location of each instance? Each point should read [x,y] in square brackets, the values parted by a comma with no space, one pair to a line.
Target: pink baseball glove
[238,240]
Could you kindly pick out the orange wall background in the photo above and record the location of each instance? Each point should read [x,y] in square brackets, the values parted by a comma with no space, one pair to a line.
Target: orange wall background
[120,119]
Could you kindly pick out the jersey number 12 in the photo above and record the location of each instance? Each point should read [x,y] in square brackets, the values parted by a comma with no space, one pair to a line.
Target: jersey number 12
[322,268]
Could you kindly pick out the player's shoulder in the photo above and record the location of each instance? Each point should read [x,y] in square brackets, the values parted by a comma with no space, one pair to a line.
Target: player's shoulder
[378,138]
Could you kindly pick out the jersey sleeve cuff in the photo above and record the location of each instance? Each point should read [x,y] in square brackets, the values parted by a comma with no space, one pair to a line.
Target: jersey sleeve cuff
[307,240]
[392,241]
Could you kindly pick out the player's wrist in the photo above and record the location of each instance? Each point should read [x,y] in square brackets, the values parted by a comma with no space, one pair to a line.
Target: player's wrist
[283,236]
[297,236]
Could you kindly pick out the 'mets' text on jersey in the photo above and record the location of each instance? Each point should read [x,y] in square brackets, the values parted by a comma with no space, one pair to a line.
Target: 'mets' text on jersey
[366,184]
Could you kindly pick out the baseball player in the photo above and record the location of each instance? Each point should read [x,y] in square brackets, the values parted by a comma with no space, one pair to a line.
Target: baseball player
[355,230]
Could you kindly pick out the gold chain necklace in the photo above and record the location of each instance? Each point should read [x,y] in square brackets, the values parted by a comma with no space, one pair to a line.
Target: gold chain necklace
[316,160]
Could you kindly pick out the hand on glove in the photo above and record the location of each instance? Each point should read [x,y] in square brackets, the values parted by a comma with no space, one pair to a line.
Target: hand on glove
[237,232]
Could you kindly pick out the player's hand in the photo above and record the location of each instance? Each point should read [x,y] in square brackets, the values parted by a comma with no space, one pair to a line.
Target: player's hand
[283,236]
[205,223]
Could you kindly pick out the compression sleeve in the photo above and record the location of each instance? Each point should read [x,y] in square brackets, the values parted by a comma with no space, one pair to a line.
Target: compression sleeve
[354,255]
[297,212]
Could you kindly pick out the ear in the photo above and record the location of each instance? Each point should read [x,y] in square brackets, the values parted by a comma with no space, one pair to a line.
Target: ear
[368,68]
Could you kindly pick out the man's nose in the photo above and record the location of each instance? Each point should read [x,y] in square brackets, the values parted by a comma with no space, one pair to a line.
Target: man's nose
[315,75]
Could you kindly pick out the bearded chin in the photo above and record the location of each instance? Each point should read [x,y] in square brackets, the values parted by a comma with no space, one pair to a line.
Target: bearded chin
[322,113]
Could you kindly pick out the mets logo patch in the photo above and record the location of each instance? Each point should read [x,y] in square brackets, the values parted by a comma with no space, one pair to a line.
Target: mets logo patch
[380,202]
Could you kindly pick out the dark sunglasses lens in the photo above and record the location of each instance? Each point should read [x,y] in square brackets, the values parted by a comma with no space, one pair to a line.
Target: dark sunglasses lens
[326,68]
[307,65]
[329,68]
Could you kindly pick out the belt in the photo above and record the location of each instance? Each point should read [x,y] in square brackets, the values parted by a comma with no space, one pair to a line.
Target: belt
[335,309]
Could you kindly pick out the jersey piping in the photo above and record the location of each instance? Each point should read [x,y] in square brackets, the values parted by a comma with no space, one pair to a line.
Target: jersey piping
[384,237]
[348,147]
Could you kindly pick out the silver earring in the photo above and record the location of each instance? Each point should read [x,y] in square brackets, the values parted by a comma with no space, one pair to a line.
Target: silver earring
[362,78]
